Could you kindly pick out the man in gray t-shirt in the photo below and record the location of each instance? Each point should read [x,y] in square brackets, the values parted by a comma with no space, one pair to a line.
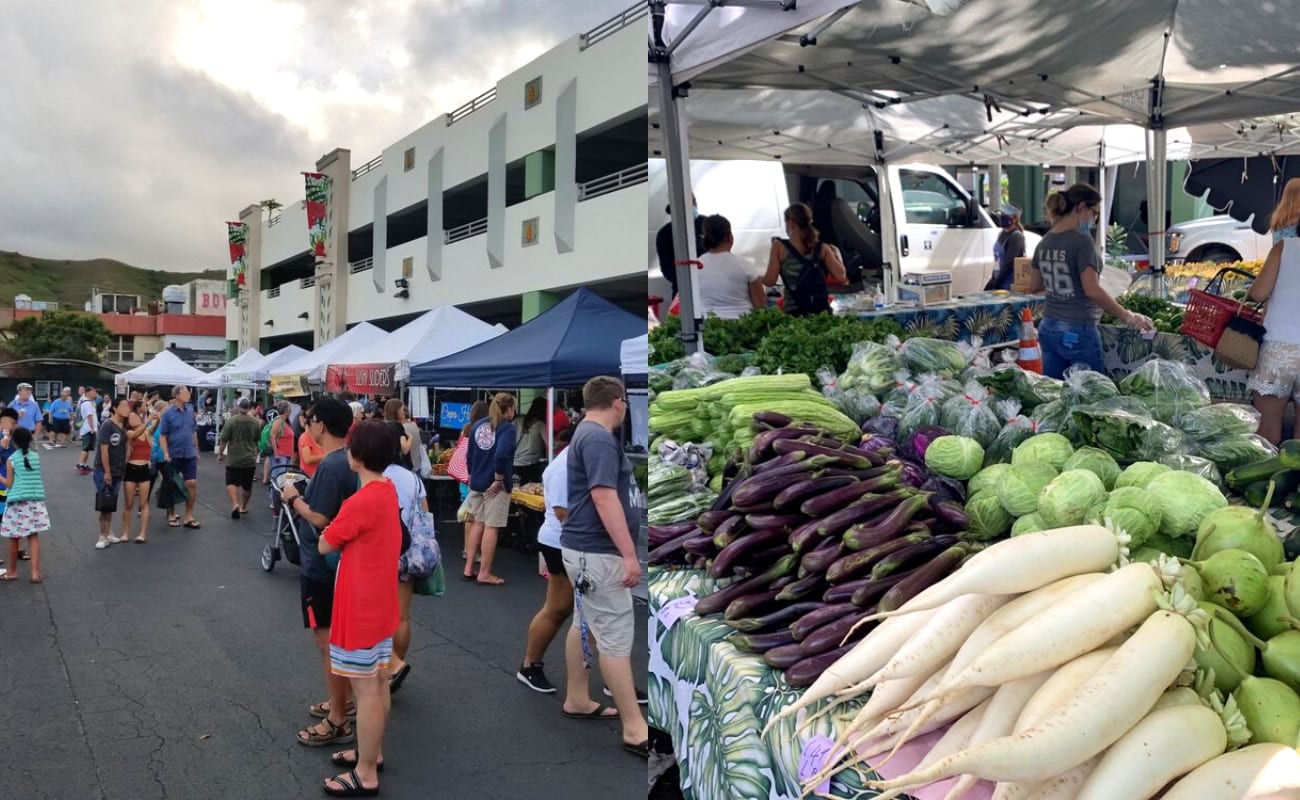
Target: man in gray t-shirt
[1061,258]
[599,549]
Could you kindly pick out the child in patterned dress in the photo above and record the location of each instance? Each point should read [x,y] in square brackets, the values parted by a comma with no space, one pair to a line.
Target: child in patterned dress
[25,513]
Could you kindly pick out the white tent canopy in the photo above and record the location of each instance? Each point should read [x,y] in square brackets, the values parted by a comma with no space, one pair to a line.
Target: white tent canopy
[313,364]
[437,333]
[261,372]
[164,369]
[232,374]
[635,355]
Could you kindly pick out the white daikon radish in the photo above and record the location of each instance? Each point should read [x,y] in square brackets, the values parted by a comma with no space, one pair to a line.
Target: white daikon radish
[1257,772]
[1065,681]
[1063,787]
[1165,745]
[939,638]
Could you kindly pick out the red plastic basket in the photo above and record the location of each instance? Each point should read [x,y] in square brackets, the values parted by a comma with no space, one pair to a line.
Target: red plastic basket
[1208,314]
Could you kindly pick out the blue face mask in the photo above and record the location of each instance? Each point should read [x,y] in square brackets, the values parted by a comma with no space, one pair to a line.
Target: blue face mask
[1086,228]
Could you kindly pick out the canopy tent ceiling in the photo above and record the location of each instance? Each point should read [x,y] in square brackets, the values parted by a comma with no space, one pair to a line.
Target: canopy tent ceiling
[578,338]
[1243,187]
[635,356]
[430,336]
[164,369]
[314,363]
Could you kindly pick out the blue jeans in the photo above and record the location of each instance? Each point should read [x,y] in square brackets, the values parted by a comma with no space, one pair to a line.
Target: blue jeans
[1068,343]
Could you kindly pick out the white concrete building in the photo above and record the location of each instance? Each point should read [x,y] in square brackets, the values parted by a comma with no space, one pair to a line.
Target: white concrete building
[534,187]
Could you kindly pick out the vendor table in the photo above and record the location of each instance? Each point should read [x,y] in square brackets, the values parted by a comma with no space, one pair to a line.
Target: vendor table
[534,502]
[1125,349]
[714,701]
[994,318]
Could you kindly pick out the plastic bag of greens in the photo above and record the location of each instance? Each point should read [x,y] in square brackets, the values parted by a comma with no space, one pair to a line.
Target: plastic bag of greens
[976,357]
[1234,450]
[1161,440]
[1016,429]
[873,367]
[1194,464]
[1117,425]
[1170,389]
[923,407]
[1220,419]
[1053,417]
[1083,386]
[855,402]
[1011,382]
[895,401]
[749,372]
[920,355]
[971,414]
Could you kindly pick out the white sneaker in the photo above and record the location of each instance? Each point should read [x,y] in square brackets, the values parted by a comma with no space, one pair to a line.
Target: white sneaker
[102,544]
[115,540]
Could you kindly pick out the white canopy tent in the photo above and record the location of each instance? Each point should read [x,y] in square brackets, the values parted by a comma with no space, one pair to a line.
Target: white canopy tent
[164,369]
[314,363]
[260,372]
[634,355]
[1034,68]
[437,333]
[237,373]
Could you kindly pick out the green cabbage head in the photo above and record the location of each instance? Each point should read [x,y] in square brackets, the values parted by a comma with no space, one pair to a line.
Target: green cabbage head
[987,478]
[1019,489]
[1049,448]
[1069,497]
[988,519]
[1184,499]
[1096,461]
[1130,509]
[957,457]
[1029,523]
[1139,474]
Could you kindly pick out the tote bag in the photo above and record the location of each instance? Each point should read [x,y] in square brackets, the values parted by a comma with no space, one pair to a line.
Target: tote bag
[421,557]
[458,466]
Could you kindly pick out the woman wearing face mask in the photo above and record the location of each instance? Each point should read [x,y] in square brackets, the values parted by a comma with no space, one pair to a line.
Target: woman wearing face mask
[802,262]
[1067,268]
[1009,246]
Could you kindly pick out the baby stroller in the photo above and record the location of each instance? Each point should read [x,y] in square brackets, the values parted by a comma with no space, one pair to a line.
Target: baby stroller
[285,542]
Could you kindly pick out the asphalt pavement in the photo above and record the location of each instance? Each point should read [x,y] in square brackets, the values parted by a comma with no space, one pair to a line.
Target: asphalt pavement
[180,669]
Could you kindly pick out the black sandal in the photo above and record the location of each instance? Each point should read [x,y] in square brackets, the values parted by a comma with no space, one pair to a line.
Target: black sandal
[398,678]
[339,759]
[351,784]
[338,734]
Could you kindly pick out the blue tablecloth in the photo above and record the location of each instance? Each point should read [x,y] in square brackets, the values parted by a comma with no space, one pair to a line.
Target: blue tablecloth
[994,319]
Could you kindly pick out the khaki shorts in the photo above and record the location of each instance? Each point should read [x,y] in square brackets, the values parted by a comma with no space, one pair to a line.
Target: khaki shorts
[491,511]
[607,605]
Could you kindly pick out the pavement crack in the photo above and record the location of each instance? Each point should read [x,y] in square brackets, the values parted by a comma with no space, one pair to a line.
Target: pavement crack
[76,702]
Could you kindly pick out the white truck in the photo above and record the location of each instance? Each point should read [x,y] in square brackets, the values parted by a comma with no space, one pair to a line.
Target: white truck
[1219,239]
[940,227]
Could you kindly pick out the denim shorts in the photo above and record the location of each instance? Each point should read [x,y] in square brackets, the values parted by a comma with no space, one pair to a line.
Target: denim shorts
[1067,343]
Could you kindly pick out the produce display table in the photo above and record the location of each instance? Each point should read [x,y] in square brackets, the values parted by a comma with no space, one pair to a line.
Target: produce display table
[1124,350]
[994,318]
[534,502]
[714,701]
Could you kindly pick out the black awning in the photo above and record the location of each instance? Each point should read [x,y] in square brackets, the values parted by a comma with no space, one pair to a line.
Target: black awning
[1241,187]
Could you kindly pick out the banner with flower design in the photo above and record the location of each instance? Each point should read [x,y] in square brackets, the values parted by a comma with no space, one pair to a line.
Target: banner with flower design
[319,190]
[237,234]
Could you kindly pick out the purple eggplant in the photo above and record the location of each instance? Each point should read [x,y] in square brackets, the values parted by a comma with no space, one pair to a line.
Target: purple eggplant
[723,502]
[843,592]
[659,538]
[791,496]
[912,555]
[815,619]
[735,552]
[719,600]
[806,671]
[701,545]
[760,643]
[854,460]
[666,533]
[818,559]
[729,530]
[757,491]
[866,592]
[773,418]
[809,587]
[864,508]
[759,560]
[764,443]
[701,563]
[946,489]
[710,520]
[950,516]
[882,426]
[836,499]
[827,442]
[831,635]
[782,617]
[780,461]
[783,657]
[922,578]
[673,550]
[806,536]
[752,605]
[757,521]
[860,562]
[888,526]
[782,582]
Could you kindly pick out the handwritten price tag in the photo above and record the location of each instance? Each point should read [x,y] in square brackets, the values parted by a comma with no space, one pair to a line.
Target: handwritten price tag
[816,752]
[674,610]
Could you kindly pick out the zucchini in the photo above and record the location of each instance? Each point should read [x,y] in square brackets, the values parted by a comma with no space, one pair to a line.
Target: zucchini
[1247,474]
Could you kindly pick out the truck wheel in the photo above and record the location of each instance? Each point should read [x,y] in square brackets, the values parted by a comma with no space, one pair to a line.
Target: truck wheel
[1217,255]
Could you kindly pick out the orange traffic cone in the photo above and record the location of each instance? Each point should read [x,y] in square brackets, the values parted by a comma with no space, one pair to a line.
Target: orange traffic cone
[1031,355]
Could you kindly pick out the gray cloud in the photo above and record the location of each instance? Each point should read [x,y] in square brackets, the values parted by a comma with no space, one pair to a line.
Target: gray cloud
[113,149]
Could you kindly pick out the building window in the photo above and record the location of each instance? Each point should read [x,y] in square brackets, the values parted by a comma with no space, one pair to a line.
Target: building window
[408,160]
[121,349]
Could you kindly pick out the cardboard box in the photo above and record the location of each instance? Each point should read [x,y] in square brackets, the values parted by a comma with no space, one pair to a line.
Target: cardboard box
[1023,278]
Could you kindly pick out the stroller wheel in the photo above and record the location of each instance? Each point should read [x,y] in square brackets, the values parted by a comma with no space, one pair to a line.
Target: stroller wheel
[268,558]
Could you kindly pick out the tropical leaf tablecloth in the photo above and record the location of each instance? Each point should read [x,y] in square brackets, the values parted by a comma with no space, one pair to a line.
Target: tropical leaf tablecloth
[714,701]
[1125,349]
[994,319]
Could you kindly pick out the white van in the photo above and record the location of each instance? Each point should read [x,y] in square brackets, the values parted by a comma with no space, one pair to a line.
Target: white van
[941,228]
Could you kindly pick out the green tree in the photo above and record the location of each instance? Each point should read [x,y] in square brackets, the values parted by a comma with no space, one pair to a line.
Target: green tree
[66,334]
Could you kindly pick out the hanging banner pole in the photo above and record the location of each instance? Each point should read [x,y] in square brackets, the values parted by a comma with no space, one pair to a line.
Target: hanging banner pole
[237,236]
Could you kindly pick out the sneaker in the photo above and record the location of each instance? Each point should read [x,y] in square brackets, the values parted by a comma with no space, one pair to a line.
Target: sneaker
[532,676]
[641,697]
[101,544]
[115,540]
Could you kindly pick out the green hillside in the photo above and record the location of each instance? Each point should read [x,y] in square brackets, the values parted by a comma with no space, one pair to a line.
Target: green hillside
[69,283]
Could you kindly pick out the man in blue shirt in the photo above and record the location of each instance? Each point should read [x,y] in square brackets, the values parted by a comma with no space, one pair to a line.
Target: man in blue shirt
[61,417]
[29,411]
[178,435]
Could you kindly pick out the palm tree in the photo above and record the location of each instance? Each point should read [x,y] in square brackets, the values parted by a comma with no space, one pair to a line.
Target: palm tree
[271,207]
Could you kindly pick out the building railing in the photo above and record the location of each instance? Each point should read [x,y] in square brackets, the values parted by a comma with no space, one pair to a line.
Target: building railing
[274,291]
[476,228]
[273,221]
[361,266]
[308,282]
[613,25]
[370,165]
[613,182]
[471,106]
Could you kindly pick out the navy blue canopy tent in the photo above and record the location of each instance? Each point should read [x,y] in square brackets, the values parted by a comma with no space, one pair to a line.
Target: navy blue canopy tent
[575,340]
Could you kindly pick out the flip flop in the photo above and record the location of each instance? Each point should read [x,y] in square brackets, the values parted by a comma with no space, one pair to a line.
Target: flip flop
[339,759]
[234,513]
[38,579]
[8,576]
[642,749]
[597,713]
[141,540]
[468,578]
[174,522]
[351,783]
[497,582]
[194,524]
[399,677]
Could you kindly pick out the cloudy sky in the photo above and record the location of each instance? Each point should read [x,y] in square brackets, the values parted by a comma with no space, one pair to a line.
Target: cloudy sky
[134,129]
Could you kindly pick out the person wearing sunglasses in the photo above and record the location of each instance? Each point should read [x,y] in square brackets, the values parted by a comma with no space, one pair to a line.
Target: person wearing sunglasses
[1067,269]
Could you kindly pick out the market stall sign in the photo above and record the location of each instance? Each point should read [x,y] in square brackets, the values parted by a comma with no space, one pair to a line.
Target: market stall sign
[453,415]
[674,610]
[289,385]
[360,378]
